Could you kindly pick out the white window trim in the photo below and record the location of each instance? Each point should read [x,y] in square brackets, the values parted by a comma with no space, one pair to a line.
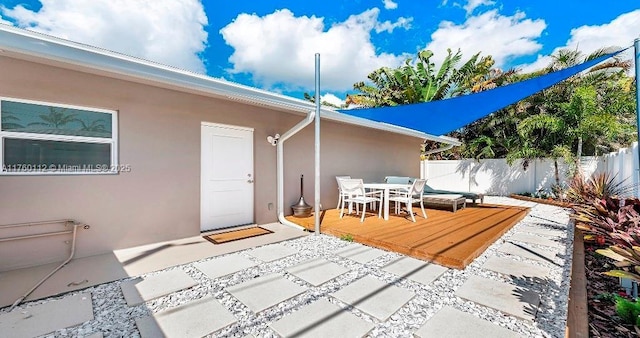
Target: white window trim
[113,141]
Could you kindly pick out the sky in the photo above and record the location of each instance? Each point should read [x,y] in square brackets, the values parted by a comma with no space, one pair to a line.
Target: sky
[271,44]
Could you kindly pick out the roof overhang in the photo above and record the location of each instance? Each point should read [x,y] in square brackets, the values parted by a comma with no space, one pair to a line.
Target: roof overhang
[42,48]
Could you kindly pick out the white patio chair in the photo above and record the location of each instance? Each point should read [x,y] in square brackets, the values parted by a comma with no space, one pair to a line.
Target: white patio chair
[353,192]
[409,196]
[340,194]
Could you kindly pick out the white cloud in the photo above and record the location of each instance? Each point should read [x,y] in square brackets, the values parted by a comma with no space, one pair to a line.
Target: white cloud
[388,26]
[473,4]
[389,4]
[278,49]
[503,37]
[541,62]
[328,97]
[620,32]
[165,31]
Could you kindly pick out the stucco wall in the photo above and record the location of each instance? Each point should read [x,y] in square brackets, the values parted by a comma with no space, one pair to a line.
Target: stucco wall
[159,137]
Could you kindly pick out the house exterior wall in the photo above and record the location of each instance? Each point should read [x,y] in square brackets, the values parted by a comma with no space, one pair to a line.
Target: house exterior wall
[159,137]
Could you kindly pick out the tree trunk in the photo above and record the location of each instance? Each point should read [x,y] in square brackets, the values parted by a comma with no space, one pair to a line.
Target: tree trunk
[579,152]
[578,155]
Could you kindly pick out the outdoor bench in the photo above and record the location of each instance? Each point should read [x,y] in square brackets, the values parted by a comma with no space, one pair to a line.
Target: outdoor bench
[446,199]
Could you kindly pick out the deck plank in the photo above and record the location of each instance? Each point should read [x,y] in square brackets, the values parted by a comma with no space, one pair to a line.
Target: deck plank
[446,238]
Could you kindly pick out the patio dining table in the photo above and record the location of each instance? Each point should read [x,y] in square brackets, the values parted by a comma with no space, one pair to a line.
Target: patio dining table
[386,187]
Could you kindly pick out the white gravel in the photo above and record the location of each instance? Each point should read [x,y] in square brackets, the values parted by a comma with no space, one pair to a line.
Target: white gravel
[115,319]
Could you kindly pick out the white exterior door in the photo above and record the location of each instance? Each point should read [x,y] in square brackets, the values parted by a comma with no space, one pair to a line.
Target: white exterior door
[226,197]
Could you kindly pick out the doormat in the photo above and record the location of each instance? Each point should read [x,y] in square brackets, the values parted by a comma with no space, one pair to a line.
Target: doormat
[235,235]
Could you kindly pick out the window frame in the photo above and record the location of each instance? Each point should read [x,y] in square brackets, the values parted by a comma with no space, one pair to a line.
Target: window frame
[113,141]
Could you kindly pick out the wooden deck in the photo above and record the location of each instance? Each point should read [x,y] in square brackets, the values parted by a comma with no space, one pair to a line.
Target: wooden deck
[446,238]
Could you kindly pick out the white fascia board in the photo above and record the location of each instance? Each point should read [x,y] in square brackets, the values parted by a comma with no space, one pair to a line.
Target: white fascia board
[24,42]
[340,117]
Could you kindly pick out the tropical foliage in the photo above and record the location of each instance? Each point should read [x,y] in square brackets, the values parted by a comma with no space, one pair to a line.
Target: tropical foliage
[57,118]
[599,186]
[587,114]
[614,221]
[9,121]
[591,113]
[422,81]
[628,311]
[611,225]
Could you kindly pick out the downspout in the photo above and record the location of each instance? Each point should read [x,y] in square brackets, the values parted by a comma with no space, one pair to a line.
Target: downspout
[280,166]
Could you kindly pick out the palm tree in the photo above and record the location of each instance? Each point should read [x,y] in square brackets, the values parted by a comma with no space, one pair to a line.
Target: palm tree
[588,113]
[9,121]
[56,118]
[569,115]
[95,125]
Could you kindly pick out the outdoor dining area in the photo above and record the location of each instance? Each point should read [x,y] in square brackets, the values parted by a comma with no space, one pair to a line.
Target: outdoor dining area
[442,228]
[401,191]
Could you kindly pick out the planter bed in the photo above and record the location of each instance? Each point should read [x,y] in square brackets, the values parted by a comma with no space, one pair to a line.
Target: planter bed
[541,200]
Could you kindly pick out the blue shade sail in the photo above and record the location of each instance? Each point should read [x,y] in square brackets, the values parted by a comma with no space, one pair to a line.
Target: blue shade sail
[444,116]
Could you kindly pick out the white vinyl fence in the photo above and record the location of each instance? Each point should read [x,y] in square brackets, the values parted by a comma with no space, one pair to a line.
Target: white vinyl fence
[496,177]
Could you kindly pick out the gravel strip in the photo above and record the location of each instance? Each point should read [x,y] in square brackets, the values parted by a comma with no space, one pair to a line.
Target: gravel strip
[115,319]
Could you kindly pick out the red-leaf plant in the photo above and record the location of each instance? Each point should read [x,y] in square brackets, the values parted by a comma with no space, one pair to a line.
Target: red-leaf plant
[618,221]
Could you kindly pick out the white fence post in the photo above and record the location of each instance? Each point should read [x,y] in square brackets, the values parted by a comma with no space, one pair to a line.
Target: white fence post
[534,176]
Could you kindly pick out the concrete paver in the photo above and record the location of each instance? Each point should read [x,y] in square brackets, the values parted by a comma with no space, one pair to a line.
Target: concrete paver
[415,270]
[539,240]
[140,290]
[321,319]
[360,253]
[526,251]
[81,273]
[374,297]
[264,292]
[508,298]
[369,295]
[219,267]
[542,230]
[516,269]
[272,252]
[47,317]
[317,271]
[453,323]
[194,319]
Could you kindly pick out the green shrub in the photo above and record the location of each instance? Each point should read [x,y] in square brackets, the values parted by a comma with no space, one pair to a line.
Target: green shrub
[598,186]
[607,296]
[628,311]
[347,237]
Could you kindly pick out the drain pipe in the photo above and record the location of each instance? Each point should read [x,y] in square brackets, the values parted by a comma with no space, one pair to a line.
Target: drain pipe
[280,167]
[73,251]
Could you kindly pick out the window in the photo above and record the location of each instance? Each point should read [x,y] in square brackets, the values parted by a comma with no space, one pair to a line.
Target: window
[46,138]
